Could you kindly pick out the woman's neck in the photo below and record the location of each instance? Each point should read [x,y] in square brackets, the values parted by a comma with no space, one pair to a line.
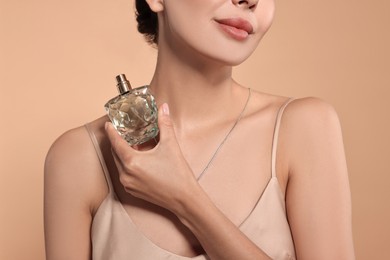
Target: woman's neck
[197,93]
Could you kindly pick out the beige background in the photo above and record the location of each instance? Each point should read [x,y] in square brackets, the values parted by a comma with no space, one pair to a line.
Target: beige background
[58,60]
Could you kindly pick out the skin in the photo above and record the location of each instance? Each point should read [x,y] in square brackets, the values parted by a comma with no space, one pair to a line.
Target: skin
[157,183]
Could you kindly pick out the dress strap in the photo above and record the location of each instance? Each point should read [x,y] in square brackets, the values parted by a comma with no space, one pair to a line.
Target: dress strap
[101,158]
[276,136]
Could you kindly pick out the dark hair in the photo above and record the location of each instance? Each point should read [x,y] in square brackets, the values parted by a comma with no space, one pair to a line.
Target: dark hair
[147,21]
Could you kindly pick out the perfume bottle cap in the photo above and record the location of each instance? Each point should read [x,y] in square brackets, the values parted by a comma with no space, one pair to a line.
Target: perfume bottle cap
[123,84]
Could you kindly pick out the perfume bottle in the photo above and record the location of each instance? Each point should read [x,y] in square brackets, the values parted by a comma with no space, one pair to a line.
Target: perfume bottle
[133,112]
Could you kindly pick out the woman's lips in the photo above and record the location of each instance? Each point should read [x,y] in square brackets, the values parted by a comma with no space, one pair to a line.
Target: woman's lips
[236,28]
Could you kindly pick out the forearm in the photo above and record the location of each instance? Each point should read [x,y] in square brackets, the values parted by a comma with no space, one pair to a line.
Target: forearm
[220,238]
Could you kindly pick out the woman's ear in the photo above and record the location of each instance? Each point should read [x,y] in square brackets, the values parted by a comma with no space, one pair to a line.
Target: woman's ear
[156,5]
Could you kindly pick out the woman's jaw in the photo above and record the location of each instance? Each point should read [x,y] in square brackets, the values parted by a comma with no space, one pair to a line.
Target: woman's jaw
[216,30]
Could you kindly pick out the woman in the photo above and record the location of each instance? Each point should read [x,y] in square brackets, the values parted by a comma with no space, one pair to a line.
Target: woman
[234,174]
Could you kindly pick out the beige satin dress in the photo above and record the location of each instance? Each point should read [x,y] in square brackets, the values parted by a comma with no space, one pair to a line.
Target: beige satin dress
[115,237]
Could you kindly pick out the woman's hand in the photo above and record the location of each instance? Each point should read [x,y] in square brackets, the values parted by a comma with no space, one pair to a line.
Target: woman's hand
[161,175]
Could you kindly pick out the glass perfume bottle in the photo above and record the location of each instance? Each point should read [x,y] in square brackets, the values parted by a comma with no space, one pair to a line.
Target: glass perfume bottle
[133,112]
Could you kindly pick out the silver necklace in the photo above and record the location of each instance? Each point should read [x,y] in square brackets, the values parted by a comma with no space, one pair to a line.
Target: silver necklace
[226,137]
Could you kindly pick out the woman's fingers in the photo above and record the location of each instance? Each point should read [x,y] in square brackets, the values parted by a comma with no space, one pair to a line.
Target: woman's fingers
[120,147]
[158,175]
[165,124]
[123,156]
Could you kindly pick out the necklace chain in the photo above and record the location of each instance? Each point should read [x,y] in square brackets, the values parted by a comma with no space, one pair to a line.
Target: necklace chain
[226,137]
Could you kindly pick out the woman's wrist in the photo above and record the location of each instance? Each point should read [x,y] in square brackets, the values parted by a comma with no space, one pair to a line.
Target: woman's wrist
[193,201]
[213,229]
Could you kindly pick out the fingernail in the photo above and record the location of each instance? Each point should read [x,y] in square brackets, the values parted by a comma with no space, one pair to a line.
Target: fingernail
[165,109]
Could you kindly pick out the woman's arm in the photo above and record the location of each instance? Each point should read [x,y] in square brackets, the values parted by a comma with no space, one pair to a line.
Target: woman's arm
[72,188]
[318,195]
[220,238]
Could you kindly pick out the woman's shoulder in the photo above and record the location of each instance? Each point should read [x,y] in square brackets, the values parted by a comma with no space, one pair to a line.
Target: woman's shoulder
[311,114]
[308,126]
[77,140]
[307,119]
[72,162]
[299,109]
